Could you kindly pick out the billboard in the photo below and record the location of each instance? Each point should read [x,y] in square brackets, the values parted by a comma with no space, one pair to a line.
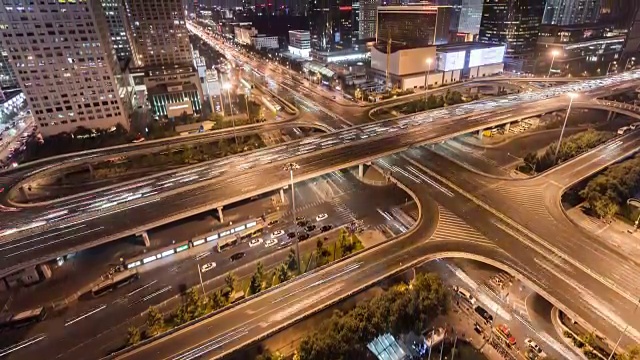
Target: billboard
[451,61]
[493,55]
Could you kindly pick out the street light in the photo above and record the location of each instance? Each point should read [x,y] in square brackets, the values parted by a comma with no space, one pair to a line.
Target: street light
[609,67]
[626,66]
[290,167]
[426,77]
[571,97]
[227,86]
[554,53]
[623,332]
[635,202]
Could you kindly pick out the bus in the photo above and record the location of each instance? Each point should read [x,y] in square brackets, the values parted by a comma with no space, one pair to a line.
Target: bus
[23,318]
[117,280]
[270,104]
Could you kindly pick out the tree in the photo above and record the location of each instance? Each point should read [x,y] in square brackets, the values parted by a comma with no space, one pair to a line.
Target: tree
[230,284]
[281,274]
[292,261]
[155,322]
[218,300]
[255,285]
[432,102]
[133,335]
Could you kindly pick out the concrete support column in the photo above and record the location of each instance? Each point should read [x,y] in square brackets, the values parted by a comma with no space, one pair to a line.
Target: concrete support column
[282,195]
[23,192]
[90,170]
[361,170]
[145,238]
[480,134]
[610,116]
[506,127]
[220,214]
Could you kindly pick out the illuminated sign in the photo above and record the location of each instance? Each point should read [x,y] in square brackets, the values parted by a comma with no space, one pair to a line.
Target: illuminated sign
[198,242]
[479,57]
[451,61]
[182,248]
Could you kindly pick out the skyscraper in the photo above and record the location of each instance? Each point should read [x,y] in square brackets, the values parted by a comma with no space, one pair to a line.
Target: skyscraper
[159,33]
[414,25]
[470,16]
[7,76]
[331,25]
[368,17]
[116,16]
[514,23]
[62,57]
[570,12]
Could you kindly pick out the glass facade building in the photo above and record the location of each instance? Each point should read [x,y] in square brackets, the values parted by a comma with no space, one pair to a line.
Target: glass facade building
[332,25]
[570,12]
[414,25]
[115,14]
[514,23]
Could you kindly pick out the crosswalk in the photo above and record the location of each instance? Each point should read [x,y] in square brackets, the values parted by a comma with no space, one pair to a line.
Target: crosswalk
[451,227]
[342,211]
[527,198]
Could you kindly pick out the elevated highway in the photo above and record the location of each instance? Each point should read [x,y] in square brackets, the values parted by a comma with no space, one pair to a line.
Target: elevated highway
[33,235]
[507,246]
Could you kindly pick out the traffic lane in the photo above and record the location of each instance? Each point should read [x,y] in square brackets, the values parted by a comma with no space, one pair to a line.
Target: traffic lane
[591,299]
[337,156]
[502,311]
[564,236]
[594,161]
[103,331]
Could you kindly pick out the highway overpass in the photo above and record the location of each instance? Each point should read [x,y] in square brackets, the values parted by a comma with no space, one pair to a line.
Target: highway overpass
[90,219]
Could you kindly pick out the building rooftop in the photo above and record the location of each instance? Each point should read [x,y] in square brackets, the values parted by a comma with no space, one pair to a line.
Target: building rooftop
[470,45]
[164,88]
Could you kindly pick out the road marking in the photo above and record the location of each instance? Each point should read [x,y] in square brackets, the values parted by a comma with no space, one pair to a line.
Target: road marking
[89,313]
[151,295]
[428,180]
[53,242]
[142,287]
[213,344]
[20,345]
[39,238]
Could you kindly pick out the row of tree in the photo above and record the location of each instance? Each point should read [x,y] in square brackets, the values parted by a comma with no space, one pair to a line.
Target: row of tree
[607,193]
[435,101]
[402,309]
[570,147]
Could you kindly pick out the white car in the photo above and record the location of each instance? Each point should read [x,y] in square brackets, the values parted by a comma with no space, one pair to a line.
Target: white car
[321,217]
[535,347]
[208,266]
[270,242]
[277,233]
[255,242]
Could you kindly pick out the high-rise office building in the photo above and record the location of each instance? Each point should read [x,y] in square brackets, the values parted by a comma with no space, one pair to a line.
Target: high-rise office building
[7,76]
[62,56]
[116,16]
[368,17]
[331,25]
[571,12]
[514,23]
[470,14]
[632,44]
[159,34]
[414,25]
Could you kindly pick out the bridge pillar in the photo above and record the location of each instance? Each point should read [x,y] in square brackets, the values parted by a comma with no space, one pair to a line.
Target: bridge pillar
[23,192]
[610,116]
[480,134]
[506,127]
[220,214]
[90,170]
[282,195]
[361,170]
[145,238]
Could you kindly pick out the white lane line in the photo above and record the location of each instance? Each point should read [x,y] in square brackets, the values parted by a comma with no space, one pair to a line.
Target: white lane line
[78,318]
[430,181]
[53,242]
[144,286]
[213,344]
[20,345]
[41,237]
[151,295]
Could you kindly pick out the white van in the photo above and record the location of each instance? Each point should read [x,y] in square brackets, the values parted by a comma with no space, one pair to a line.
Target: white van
[624,130]
[635,125]
[465,294]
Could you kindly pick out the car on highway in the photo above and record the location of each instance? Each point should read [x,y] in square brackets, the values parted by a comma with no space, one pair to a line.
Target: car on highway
[273,222]
[464,294]
[237,256]
[291,234]
[270,242]
[255,242]
[310,228]
[277,233]
[303,223]
[326,228]
[303,236]
[505,332]
[321,217]
[208,266]
[534,347]
[488,318]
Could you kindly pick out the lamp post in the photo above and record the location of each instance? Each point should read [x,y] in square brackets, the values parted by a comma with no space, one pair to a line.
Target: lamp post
[554,53]
[626,66]
[290,167]
[201,283]
[227,86]
[636,203]
[426,77]
[571,97]
[609,67]
[623,332]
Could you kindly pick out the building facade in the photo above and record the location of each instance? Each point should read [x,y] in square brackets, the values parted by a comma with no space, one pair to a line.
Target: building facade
[265,42]
[331,25]
[368,18]
[116,16]
[158,33]
[514,23]
[62,57]
[300,43]
[414,25]
[571,12]
[470,15]
[7,76]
